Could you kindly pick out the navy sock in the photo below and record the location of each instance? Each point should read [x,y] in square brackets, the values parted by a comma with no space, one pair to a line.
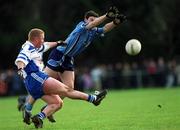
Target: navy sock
[91,98]
[42,115]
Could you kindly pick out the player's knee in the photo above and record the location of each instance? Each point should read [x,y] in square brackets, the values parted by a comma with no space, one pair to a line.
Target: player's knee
[70,86]
[59,104]
[67,88]
[70,89]
[64,91]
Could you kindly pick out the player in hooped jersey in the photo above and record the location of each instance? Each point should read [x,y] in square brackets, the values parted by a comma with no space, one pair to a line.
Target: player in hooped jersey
[60,62]
[37,55]
[40,85]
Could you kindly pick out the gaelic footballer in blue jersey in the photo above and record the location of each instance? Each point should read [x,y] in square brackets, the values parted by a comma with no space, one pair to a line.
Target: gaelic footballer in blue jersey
[40,85]
[61,59]
[60,63]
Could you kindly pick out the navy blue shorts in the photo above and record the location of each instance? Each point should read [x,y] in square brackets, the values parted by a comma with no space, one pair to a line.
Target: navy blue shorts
[34,84]
[58,62]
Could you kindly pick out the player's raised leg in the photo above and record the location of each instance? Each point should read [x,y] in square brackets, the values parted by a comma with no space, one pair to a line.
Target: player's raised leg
[53,86]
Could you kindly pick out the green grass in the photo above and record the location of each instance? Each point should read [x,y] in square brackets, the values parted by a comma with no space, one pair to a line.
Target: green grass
[121,110]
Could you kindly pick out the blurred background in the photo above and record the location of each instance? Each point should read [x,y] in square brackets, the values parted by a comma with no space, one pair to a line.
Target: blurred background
[105,63]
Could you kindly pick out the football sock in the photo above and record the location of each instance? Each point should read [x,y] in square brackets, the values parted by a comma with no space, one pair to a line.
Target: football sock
[91,98]
[28,107]
[41,115]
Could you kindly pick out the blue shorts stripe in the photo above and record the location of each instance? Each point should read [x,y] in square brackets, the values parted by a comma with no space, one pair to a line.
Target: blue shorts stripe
[34,84]
[38,78]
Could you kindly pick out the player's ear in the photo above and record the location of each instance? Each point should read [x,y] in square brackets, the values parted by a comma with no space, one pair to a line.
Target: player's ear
[85,19]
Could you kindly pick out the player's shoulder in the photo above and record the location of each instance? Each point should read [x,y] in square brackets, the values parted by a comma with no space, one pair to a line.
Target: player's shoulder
[42,48]
[82,24]
[27,46]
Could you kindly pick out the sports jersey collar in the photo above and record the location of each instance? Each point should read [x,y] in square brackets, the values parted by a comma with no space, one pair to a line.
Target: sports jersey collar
[31,44]
[28,42]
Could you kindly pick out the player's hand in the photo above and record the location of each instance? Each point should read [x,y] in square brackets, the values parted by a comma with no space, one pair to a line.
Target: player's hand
[61,43]
[20,72]
[119,18]
[111,13]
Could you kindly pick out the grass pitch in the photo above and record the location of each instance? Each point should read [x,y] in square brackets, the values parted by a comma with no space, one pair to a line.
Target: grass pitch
[141,109]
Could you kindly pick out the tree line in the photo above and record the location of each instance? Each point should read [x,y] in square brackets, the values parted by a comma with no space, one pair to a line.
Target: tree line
[154,22]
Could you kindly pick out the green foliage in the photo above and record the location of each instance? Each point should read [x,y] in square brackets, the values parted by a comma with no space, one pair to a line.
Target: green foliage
[154,22]
[143,109]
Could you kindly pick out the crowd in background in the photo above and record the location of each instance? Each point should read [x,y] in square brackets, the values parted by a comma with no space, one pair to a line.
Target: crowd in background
[147,73]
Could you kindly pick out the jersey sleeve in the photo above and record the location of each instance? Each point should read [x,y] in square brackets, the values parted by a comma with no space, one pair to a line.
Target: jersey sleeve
[45,47]
[25,54]
[99,31]
[82,25]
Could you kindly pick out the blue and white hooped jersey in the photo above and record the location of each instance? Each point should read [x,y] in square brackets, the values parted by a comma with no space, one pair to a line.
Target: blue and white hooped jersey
[79,39]
[32,57]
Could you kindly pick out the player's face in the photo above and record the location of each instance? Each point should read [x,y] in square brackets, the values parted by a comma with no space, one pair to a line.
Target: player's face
[39,40]
[91,19]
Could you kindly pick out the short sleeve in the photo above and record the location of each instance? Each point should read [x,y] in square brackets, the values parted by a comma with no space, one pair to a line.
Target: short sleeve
[45,47]
[24,55]
[82,25]
[100,31]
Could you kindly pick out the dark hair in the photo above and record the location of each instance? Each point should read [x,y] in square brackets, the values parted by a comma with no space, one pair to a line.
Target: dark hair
[91,13]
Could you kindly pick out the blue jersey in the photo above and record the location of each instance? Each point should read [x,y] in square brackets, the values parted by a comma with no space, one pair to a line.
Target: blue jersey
[79,39]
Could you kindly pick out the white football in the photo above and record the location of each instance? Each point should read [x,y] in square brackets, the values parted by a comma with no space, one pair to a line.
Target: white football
[133,47]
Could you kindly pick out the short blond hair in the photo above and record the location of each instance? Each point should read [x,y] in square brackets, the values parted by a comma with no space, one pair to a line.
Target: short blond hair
[35,32]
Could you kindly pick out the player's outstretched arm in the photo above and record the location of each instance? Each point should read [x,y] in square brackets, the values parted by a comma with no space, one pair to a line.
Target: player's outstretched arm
[96,22]
[49,45]
[119,18]
[57,43]
[109,26]
[109,15]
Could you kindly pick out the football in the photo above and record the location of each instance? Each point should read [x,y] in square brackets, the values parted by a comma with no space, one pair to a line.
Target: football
[133,47]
